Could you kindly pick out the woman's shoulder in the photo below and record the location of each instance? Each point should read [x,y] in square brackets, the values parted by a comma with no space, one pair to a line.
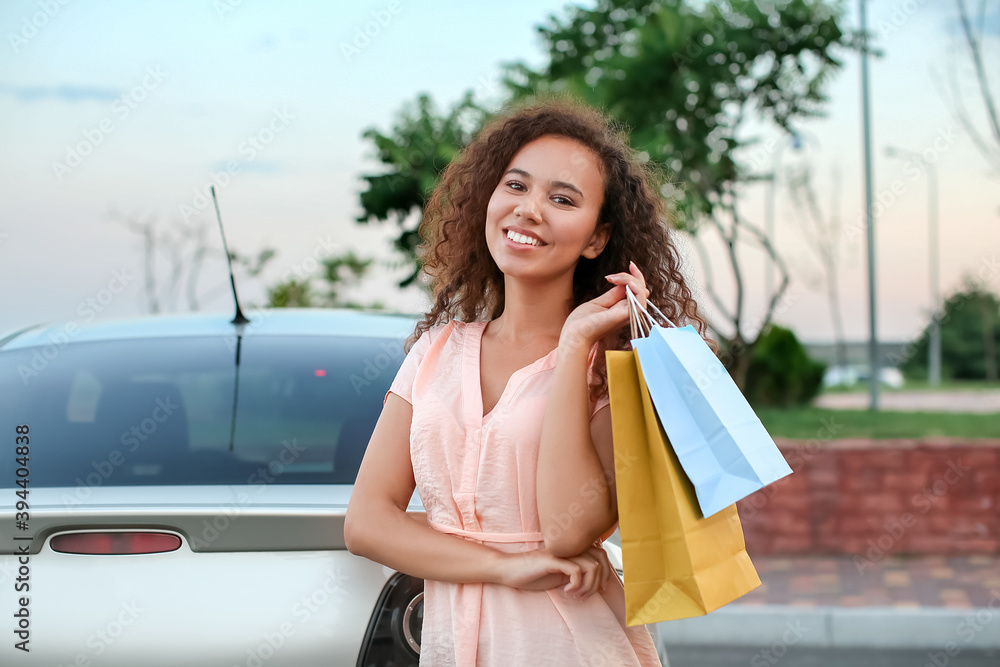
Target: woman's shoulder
[449,326]
[436,332]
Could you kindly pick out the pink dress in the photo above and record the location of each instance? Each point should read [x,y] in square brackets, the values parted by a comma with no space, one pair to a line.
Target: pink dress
[476,478]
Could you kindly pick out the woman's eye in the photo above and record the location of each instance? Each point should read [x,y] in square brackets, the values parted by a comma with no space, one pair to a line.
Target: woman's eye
[559,199]
[515,184]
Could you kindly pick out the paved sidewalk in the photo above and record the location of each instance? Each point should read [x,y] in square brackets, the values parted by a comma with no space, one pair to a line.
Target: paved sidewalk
[929,581]
[928,603]
[958,400]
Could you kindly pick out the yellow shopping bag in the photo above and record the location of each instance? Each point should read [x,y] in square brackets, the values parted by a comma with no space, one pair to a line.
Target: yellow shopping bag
[676,564]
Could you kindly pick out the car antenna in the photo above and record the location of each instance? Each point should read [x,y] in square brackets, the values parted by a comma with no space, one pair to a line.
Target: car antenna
[240,317]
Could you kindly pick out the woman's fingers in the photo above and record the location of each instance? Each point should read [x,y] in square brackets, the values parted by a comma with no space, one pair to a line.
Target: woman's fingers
[636,283]
[633,269]
[588,573]
[606,569]
[593,575]
[611,297]
[589,578]
[575,578]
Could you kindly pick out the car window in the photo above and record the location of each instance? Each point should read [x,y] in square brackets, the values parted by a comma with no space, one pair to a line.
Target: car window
[161,411]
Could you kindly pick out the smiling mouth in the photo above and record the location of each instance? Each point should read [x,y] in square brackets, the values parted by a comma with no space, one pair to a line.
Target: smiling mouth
[521,239]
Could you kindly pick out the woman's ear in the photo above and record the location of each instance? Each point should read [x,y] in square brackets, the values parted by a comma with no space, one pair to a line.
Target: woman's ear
[600,238]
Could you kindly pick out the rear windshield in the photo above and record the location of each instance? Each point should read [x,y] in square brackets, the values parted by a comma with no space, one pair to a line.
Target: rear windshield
[174,410]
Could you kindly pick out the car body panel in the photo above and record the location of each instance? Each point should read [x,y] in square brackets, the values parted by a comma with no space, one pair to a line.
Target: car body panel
[211,518]
[303,608]
[262,584]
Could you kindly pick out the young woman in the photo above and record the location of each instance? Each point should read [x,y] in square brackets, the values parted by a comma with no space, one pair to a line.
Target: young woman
[499,413]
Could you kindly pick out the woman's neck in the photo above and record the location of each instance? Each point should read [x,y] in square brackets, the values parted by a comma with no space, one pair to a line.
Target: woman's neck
[533,314]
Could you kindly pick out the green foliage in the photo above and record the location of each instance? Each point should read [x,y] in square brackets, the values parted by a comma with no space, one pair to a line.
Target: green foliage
[340,271]
[291,294]
[781,373]
[414,153]
[970,336]
[683,76]
[254,266]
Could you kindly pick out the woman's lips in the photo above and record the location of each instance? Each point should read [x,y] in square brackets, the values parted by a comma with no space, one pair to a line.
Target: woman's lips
[520,246]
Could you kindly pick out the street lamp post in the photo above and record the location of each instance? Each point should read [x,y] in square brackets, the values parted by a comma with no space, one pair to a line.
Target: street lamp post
[933,243]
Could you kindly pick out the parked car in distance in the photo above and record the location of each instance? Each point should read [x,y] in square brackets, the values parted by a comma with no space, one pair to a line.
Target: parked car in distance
[851,375]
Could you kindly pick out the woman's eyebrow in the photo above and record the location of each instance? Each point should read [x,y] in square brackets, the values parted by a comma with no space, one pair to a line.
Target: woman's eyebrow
[558,184]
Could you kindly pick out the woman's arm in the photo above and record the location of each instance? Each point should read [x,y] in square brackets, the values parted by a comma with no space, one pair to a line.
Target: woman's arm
[577,499]
[576,495]
[378,527]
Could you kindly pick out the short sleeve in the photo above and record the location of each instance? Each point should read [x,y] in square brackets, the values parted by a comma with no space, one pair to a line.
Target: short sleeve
[402,384]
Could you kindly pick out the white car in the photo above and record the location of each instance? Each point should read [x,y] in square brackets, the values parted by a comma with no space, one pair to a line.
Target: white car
[855,374]
[173,491]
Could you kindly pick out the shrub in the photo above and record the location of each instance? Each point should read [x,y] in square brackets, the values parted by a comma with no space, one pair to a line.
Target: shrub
[781,373]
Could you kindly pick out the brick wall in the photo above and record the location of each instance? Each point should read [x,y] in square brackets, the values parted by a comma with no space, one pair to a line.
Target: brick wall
[875,498]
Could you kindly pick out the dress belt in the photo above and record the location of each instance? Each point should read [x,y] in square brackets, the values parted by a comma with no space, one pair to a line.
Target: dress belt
[487,537]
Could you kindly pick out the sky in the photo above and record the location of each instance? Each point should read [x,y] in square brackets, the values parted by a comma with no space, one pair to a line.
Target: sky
[117,111]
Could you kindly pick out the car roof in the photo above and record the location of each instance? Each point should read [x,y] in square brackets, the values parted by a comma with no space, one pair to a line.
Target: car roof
[266,322]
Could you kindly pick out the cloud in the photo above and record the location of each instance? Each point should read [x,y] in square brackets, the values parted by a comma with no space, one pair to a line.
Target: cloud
[264,43]
[64,93]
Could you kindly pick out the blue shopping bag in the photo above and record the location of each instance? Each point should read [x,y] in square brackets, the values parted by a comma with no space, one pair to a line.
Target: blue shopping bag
[720,442]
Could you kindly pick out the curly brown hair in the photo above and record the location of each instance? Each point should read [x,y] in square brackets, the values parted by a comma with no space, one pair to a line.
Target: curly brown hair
[466,282]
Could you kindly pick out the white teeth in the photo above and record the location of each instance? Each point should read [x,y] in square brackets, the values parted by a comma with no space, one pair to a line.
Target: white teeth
[521,238]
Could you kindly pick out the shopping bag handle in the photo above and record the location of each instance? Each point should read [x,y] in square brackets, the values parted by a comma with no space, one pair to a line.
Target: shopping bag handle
[634,320]
[640,321]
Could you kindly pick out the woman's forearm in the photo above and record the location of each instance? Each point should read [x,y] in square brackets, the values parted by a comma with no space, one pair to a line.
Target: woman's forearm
[574,506]
[407,544]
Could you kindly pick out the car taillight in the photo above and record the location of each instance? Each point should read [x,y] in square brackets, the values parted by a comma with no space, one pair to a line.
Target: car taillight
[115,543]
[393,636]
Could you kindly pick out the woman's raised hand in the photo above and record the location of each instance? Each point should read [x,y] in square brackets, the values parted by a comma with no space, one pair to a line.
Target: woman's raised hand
[592,320]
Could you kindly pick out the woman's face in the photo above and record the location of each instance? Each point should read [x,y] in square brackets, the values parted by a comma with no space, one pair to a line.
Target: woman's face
[552,192]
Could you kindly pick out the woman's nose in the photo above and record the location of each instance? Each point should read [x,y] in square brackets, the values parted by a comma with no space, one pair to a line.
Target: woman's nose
[527,208]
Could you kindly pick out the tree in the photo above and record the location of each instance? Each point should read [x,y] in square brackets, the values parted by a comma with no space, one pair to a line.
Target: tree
[973,31]
[970,335]
[416,150]
[685,78]
[185,247]
[338,272]
[823,234]
[291,293]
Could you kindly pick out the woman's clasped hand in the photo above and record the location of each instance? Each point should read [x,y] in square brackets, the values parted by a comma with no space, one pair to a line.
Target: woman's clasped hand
[538,570]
